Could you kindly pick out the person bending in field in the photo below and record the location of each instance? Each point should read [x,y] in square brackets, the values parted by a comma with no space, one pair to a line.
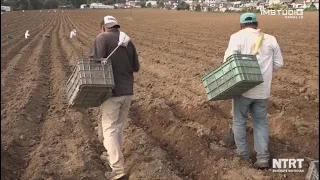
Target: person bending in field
[115,109]
[27,35]
[73,33]
[254,100]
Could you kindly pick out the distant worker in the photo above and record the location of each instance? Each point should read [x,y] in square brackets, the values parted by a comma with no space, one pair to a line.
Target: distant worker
[73,33]
[254,100]
[27,35]
[115,109]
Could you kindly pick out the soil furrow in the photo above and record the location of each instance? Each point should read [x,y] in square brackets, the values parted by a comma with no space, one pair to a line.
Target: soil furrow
[78,50]
[66,124]
[29,106]
[18,33]
[19,47]
[171,162]
[15,68]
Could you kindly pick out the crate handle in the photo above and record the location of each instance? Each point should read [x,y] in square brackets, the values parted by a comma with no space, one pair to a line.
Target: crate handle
[258,43]
[104,61]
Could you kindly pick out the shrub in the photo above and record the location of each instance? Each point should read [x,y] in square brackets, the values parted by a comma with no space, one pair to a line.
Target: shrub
[160,4]
[311,8]
[51,4]
[183,6]
[197,8]
[142,4]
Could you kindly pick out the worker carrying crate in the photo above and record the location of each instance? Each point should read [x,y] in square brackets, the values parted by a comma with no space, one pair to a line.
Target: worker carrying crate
[106,79]
[245,77]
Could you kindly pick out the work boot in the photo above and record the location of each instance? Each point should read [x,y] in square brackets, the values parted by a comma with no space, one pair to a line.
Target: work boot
[261,165]
[113,175]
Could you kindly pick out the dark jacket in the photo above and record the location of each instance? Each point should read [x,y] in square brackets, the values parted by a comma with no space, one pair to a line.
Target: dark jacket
[124,60]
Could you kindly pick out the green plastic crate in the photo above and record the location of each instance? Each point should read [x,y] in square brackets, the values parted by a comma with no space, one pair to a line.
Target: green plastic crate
[313,171]
[237,75]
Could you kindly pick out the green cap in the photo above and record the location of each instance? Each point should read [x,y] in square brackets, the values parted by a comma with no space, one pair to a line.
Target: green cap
[248,18]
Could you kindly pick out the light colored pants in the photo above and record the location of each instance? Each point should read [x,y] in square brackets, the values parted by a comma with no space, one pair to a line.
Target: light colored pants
[258,112]
[114,113]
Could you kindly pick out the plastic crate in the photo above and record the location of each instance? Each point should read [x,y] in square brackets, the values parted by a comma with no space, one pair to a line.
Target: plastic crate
[90,83]
[238,74]
[313,172]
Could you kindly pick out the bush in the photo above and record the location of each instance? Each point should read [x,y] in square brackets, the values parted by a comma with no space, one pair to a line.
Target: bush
[187,7]
[311,8]
[149,5]
[197,8]
[183,6]
[160,4]
[35,4]
[142,4]
[244,10]
[23,7]
[168,7]
[277,7]
[109,2]
[51,4]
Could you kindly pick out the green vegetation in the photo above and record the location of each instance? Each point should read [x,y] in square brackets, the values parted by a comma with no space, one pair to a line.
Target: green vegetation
[311,8]
[197,8]
[142,4]
[244,10]
[183,6]
[160,4]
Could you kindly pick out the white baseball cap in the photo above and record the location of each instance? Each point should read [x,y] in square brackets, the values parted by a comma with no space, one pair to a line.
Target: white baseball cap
[110,21]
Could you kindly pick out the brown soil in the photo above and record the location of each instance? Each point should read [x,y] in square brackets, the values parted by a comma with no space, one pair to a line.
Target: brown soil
[173,132]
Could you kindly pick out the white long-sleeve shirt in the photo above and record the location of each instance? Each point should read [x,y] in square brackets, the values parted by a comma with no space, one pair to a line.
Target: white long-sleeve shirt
[26,35]
[73,34]
[269,58]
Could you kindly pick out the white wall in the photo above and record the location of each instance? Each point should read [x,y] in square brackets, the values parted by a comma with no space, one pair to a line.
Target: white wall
[153,3]
[6,8]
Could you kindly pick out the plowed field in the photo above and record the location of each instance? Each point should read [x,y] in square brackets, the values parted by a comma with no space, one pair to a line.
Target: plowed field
[173,132]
